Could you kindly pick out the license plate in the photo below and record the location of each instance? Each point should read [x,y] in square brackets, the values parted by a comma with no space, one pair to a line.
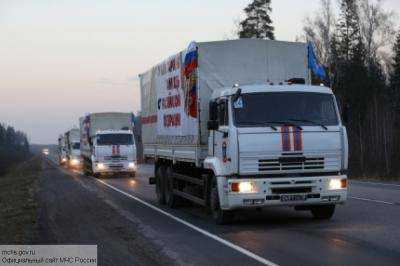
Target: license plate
[285,198]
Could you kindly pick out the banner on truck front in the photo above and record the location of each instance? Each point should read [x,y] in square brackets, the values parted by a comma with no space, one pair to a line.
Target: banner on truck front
[176,89]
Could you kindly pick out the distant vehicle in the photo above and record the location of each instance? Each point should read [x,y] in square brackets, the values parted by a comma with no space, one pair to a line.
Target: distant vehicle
[271,140]
[73,151]
[46,151]
[107,144]
[61,149]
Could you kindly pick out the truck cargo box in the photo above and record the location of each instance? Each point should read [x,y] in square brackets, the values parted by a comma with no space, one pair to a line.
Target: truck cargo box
[175,94]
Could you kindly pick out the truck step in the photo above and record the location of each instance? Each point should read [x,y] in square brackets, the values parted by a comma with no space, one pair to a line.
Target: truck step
[189,179]
[189,197]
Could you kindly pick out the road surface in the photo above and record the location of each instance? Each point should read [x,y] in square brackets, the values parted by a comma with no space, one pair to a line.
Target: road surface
[364,231]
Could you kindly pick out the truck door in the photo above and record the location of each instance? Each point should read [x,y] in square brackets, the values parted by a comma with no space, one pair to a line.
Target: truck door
[221,136]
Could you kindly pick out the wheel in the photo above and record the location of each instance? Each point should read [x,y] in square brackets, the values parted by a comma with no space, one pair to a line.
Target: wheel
[160,190]
[170,198]
[323,211]
[220,216]
[133,174]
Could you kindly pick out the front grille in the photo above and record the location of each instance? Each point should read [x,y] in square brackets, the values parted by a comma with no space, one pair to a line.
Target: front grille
[115,166]
[291,163]
[115,158]
[290,190]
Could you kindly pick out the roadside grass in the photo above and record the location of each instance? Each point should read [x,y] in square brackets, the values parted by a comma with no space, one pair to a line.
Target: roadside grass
[18,205]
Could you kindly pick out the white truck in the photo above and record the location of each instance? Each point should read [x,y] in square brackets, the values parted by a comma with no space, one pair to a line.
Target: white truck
[61,149]
[235,124]
[107,144]
[73,151]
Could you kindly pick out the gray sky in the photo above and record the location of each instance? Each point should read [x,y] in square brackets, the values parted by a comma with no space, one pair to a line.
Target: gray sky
[61,59]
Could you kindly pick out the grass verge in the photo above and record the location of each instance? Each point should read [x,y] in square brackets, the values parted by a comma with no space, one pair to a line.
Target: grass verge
[18,205]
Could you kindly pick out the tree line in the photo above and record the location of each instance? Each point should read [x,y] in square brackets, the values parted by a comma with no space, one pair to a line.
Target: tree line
[14,147]
[360,50]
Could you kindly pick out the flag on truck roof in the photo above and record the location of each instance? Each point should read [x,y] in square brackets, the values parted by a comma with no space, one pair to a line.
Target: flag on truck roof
[191,62]
[313,63]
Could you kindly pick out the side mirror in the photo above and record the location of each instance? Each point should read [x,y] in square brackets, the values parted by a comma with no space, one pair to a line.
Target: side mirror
[213,110]
[212,125]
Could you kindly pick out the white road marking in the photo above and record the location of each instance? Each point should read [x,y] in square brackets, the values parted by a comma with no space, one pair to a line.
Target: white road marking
[204,232]
[374,183]
[372,200]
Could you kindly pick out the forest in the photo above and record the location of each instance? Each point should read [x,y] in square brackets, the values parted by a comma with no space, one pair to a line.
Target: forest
[14,147]
[358,45]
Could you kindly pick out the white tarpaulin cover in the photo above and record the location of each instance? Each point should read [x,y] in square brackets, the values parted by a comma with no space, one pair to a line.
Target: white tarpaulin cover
[175,94]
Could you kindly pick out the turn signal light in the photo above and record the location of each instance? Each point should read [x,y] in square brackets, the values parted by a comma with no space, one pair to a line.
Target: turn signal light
[235,187]
[343,183]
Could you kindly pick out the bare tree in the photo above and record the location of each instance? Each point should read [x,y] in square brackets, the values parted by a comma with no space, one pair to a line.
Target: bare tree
[319,30]
[376,28]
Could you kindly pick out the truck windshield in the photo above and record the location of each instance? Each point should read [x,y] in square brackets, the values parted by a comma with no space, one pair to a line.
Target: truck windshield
[76,146]
[114,139]
[275,108]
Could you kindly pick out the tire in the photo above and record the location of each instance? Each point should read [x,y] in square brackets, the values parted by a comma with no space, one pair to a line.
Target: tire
[160,189]
[220,216]
[133,174]
[323,212]
[170,198]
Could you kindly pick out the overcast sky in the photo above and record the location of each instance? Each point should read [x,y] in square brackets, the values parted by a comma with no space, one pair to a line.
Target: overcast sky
[62,59]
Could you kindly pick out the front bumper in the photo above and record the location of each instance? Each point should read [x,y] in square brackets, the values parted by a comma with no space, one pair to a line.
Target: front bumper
[114,167]
[282,192]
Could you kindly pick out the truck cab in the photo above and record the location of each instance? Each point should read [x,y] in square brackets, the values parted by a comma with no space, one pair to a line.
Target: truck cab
[277,145]
[113,151]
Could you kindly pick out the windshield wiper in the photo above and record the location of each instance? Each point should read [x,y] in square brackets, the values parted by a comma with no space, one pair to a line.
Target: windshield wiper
[310,121]
[267,123]
[290,123]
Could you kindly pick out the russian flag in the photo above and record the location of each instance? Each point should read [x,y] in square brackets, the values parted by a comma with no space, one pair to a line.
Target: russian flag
[191,62]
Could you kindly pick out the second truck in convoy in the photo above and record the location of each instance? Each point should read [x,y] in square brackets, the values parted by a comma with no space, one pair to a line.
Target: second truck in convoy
[107,144]
[234,124]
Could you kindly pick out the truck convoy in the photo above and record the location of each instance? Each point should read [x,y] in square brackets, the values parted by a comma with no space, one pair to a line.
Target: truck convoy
[73,152]
[235,124]
[107,144]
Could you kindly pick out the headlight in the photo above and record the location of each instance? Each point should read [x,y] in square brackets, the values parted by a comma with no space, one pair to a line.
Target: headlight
[101,166]
[336,183]
[75,161]
[244,187]
[64,160]
[132,165]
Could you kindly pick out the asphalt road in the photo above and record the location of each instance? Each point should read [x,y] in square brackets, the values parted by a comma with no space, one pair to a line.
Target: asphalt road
[364,231]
